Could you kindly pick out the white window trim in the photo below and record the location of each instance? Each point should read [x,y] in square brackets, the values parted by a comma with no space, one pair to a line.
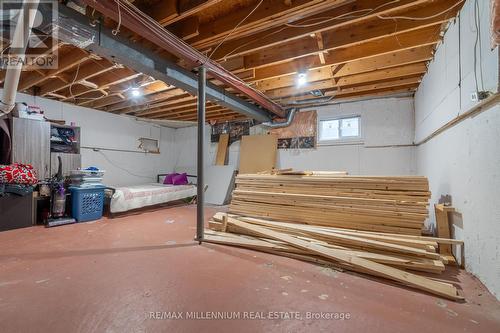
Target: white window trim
[341,141]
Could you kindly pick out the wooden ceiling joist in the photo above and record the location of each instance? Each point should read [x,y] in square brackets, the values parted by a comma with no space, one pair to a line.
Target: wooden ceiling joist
[271,14]
[337,17]
[345,37]
[85,72]
[67,61]
[168,12]
[403,41]
[347,48]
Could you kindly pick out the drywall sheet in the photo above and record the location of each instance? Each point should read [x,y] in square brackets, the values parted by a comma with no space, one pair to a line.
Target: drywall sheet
[220,181]
[258,153]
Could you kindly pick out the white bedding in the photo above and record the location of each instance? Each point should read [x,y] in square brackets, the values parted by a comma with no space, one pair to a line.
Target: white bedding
[132,197]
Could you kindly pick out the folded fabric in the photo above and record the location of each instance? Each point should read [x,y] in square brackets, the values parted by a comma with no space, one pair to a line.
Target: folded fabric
[18,173]
[169,177]
[180,179]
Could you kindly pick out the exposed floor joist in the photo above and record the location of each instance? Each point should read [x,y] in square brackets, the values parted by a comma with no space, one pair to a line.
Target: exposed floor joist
[347,48]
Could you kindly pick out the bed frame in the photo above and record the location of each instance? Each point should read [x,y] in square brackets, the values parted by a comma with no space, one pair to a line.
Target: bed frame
[171,204]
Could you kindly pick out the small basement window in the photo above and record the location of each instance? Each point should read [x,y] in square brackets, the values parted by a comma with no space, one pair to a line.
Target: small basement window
[339,129]
[149,145]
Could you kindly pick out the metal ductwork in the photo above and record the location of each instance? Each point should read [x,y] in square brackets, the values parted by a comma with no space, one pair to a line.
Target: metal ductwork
[282,124]
[19,42]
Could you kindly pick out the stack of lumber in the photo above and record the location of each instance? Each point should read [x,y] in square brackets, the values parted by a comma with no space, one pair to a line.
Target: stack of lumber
[372,203]
[378,254]
[290,171]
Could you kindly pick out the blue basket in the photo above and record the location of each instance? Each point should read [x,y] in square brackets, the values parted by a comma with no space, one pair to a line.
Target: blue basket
[87,202]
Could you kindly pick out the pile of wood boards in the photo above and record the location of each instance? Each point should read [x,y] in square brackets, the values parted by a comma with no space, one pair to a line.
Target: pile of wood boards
[372,203]
[378,254]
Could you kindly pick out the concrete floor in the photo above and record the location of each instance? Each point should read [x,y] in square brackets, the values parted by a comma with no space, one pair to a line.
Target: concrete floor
[110,275]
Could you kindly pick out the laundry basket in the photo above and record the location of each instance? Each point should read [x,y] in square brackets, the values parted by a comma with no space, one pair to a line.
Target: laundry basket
[87,202]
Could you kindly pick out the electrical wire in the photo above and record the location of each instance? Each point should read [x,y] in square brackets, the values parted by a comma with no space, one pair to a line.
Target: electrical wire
[5,49]
[120,167]
[476,43]
[74,80]
[420,18]
[349,15]
[235,27]
[345,16]
[117,30]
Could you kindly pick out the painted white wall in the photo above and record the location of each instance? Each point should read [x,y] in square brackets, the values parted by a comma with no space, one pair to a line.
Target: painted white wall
[384,122]
[464,161]
[106,130]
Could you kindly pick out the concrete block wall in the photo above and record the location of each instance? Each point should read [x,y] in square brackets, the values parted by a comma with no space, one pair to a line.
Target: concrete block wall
[464,160]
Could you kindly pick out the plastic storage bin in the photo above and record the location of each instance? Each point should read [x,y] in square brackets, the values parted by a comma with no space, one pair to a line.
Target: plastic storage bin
[87,202]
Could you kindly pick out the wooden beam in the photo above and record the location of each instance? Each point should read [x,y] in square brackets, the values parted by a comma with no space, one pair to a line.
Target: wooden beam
[350,36]
[400,58]
[383,74]
[361,92]
[284,34]
[163,11]
[104,82]
[271,14]
[92,69]
[66,61]
[323,73]
[187,28]
[171,11]
[383,46]
[357,79]
[118,96]
[173,100]
[183,111]
[144,101]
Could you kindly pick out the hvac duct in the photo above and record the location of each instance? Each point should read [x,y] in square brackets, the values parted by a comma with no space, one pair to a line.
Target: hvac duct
[20,41]
[285,123]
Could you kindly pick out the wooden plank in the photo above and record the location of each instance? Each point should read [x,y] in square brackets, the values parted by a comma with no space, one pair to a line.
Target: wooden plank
[222,146]
[438,288]
[258,153]
[282,249]
[443,230]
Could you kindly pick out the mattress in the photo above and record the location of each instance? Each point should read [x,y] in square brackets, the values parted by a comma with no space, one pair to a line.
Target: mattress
[133,197]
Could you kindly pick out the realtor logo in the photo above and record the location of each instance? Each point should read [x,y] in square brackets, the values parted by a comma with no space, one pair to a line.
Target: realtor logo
[35,47]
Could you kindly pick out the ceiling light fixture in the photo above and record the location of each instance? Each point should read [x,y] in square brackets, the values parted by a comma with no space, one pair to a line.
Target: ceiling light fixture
[135,92]
[301,79]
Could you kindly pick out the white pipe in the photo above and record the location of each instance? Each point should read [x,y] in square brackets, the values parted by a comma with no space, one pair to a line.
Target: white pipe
[20,38]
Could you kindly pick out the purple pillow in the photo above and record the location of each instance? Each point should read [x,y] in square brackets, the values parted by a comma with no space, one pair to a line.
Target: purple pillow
[180,179]
[169,178]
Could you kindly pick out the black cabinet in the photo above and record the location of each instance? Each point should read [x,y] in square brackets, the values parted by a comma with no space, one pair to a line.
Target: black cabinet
[16,211]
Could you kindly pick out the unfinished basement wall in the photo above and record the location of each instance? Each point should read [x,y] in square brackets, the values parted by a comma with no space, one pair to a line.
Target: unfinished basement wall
[386,148]
[464,160]
[117,136]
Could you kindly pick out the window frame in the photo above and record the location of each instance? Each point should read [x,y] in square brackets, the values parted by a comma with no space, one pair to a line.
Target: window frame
[341,140]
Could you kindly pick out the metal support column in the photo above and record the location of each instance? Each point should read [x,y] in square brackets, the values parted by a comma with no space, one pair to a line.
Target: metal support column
[200,207]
